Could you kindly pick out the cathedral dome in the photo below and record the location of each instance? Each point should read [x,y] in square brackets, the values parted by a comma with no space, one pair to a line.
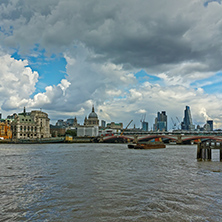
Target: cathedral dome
[93,114]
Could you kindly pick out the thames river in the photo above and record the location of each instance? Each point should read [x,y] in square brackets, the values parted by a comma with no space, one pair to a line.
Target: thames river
[108,182]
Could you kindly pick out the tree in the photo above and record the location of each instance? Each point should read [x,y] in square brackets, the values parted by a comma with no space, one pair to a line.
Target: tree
[71,133]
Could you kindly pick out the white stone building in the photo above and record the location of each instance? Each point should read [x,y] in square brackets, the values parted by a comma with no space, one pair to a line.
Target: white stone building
[91,126]
[31,125]
[89,131]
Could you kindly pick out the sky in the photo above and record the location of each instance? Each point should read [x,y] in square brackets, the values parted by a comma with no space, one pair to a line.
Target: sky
[130,59]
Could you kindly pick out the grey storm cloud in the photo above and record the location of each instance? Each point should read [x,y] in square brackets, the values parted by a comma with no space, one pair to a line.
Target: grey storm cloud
[105,43]
[141,34]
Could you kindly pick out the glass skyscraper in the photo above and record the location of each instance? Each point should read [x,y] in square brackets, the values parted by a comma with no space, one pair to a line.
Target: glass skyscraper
[160,122]
[210,122]
[187,123]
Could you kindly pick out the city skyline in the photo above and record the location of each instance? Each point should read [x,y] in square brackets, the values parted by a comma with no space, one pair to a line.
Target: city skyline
[127,58]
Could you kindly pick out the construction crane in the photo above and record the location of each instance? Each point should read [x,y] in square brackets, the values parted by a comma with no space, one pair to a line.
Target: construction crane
[178,122]
[174,124]
[143,118]
[126,127]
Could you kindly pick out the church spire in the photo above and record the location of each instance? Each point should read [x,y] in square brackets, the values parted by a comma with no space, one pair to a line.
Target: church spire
[24,112]
[93,109]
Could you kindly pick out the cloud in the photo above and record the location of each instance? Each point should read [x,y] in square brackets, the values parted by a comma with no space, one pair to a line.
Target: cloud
[105,44]
[138,34]
[17,81]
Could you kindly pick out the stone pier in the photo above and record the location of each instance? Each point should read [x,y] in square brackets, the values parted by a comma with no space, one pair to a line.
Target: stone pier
[204,150]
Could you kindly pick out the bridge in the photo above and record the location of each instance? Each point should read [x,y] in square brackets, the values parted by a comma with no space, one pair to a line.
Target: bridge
[166,138]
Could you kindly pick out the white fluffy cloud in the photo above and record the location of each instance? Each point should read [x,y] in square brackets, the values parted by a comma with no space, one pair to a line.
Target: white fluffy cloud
[17,82]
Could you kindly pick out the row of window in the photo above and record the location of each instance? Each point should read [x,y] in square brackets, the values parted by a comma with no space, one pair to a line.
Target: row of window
[26,120]
[26,128]
[28,135]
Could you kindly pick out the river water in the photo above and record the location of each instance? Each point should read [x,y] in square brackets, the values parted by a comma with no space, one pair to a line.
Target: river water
[108,182]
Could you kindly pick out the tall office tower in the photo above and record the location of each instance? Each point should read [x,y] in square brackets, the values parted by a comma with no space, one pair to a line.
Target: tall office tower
[103,123]
[144,126]
[187,123]
[210,122]
[160,122]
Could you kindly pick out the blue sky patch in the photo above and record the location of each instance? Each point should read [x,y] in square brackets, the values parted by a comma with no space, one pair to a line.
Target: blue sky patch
[51,69]
[209,1]
[142,76]
[210,85]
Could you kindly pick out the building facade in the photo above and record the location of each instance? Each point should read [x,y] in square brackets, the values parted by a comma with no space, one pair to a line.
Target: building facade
[187,123]
[92,119]
[5,130]
[145,126]
[211,124]
[160,122]
[88,131]
[114,125]
[30,125]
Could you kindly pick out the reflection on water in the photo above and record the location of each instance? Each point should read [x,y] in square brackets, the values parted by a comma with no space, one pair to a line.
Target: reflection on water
[108,182]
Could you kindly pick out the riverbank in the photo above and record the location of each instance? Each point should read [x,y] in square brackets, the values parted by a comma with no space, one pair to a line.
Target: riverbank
[47,140]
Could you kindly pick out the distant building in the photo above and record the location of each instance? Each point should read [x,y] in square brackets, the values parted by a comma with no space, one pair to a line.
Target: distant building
[187,123]
[207,127]
[90,127]
[145,126]
[160,122]
[103,124]
[57,131]
[211,124]
[60,123]
[114,125]
[72,122]
[30,125]
[89,131]
[5,130]
[92,119]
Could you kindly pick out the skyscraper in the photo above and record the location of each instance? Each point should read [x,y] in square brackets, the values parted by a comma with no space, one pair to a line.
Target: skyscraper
[144,126]
[187,123]
[160,122]
[210,122]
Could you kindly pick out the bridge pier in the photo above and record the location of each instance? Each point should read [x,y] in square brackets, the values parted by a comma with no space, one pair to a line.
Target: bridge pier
[204,150]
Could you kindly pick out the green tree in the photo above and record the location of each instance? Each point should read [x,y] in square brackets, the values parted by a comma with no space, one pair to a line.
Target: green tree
[71,133]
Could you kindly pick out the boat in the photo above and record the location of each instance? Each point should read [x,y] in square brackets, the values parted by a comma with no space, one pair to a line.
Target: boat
[173,142]
[156,144]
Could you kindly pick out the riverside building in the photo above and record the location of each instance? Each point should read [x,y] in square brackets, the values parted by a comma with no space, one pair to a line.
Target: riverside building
[91,125]
[30,125]
[5,130]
